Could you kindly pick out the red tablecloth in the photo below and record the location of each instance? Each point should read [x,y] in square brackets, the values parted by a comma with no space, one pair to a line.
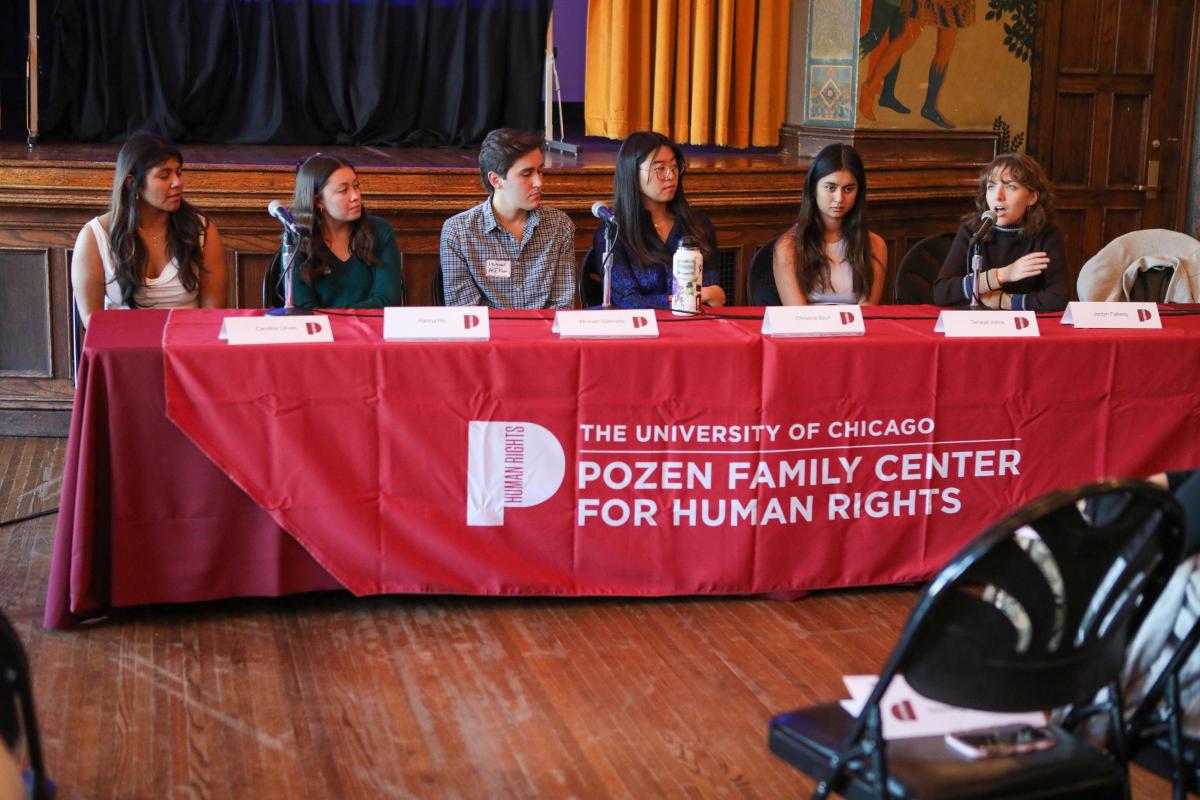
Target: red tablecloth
[813,463]
[144,516]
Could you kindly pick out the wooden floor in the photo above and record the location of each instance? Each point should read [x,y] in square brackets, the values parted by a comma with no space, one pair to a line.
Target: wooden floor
[425,697]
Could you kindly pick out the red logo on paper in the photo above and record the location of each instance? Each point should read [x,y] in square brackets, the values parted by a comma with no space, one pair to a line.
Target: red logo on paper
[847,317]
[639,322]
[470,321]
[313,328]
[1021,323]
[904,711]
[1143,315]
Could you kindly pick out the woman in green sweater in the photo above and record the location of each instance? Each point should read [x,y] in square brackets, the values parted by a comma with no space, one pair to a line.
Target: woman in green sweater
[345,259]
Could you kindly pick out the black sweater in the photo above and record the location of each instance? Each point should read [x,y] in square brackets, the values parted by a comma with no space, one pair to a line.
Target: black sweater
[1049,291]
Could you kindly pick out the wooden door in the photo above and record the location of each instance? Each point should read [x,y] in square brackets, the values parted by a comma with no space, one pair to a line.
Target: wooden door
[1111,115]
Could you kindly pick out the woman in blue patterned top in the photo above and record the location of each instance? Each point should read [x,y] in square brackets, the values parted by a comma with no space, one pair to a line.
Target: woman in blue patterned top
[653,216]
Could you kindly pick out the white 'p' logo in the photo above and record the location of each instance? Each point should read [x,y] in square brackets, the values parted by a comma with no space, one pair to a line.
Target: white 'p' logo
[514,464]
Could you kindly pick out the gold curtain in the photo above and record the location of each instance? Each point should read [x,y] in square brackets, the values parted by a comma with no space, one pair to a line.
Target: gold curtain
[700,71]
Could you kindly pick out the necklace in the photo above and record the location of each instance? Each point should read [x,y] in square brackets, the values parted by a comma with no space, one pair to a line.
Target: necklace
[151,239]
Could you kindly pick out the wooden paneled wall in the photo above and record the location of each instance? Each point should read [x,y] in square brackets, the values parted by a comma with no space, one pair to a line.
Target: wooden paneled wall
[45,201]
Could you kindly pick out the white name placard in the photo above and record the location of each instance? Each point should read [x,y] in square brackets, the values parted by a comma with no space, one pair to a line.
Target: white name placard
[276,330]
[835,320]
[611,324]
[1112,315]
[987,323]
[436,324]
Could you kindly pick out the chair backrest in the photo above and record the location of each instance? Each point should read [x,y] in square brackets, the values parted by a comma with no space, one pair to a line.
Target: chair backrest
[919,269]
[591,280]
[437,288]
[77,334]
[1150,285]
[1037,612]
[1100,278]
[760,277]
[17,715]
[272,285]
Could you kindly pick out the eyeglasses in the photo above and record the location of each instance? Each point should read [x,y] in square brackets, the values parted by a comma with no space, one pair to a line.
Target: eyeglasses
[667,171]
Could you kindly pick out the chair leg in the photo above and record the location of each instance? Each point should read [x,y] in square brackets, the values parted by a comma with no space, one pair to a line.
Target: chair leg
[825,786]
[1116,722]
[874,747]
[1175,730]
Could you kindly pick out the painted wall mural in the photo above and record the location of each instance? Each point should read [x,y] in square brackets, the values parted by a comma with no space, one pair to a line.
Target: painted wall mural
[922,65]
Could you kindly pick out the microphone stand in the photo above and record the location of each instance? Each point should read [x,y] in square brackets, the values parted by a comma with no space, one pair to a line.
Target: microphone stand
[289,244]
[976,269]
[606,263]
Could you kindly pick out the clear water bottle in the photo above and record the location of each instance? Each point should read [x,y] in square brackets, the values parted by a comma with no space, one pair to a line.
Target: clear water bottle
[687,276]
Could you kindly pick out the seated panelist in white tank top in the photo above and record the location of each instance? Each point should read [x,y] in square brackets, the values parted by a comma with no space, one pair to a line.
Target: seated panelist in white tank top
[829,255]
[152,249]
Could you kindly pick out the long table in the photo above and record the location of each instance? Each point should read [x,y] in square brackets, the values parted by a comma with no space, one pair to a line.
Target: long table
[711,459]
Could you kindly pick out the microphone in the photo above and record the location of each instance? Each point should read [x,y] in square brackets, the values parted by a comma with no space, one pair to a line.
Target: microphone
[280,212]
[986,221]
[601,211]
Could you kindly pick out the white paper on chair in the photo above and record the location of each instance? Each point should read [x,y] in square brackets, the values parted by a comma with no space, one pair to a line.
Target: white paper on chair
[907,714]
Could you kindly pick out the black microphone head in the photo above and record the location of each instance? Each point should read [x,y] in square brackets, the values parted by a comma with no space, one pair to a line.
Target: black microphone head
[273,207]
[598,209]
[986,220]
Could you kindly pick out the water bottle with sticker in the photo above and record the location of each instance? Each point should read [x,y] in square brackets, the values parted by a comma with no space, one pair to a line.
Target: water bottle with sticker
[687,276]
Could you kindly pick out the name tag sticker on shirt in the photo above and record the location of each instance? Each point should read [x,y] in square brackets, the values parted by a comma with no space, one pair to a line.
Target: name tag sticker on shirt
[833,320]
[436,324]
[1021,324]
[276,330]
[1112,315]
[619,324]
[498,268]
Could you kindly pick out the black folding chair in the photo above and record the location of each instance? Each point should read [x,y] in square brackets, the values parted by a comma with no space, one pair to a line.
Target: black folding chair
[919,269]
[1036,613]
[17,716]
[1154,733]
[591,280]
[272,285]
[437,288]
[760,277]
[1155,730]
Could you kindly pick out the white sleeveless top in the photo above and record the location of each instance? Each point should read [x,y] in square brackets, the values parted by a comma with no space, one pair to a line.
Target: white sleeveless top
[165,291]
[841,278]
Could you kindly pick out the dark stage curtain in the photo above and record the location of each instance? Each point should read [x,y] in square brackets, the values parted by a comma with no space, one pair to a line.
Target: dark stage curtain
[398,72]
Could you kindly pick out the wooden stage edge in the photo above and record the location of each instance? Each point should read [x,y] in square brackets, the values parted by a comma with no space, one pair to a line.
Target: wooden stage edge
[49,191]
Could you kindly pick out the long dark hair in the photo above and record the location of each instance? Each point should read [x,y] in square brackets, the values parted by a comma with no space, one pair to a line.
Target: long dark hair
[1029,173]
[812,265]
[314,255]
[637,229]
[141,153]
